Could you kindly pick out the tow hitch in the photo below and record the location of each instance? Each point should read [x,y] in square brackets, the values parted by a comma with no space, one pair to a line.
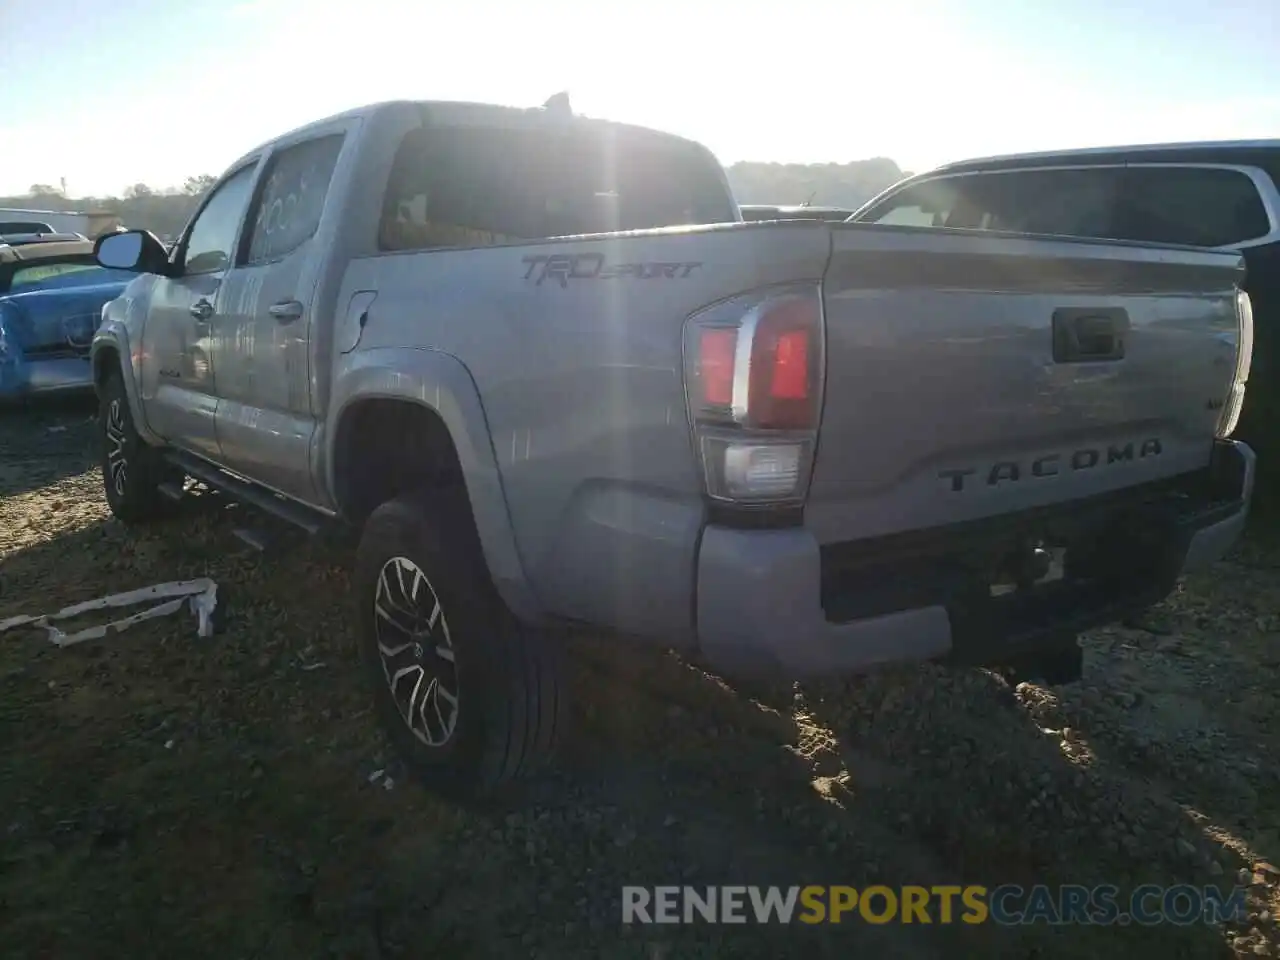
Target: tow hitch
[1033,564]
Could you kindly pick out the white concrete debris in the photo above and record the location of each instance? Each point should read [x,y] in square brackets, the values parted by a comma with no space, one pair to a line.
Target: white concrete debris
[200,596]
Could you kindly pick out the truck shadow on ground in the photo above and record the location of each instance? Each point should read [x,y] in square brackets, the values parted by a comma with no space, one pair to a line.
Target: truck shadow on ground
[231,780]
[915,777]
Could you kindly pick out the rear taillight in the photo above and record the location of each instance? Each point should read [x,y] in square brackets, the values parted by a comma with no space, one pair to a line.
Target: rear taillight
[715,365]
[753,374]
[1244,360]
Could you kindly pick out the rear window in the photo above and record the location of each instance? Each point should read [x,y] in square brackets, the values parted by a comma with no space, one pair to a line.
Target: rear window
[471,186]
[1199,206]
[1074,203]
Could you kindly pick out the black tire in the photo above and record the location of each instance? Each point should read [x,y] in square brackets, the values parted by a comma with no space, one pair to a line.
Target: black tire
[132,470]
[507,706]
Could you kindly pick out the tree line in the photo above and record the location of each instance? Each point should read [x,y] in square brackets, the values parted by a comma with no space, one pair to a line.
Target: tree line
[165,211]
[162,211]
[846,185]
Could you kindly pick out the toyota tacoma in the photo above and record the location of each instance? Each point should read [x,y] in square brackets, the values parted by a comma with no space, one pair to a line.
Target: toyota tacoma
[543,368]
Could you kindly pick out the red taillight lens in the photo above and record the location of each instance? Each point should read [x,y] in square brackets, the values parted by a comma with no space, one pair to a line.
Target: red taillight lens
[784,359]
[790,380]
[716,350]
[753,373]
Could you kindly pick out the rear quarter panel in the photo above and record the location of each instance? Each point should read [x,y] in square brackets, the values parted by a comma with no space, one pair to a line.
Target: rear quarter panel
[575,350]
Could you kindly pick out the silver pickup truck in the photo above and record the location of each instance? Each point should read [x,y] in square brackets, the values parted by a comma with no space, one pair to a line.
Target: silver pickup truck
[546,371]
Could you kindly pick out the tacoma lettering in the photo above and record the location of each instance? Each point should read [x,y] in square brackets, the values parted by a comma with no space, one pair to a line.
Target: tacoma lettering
[1045,466]
[1005,472]
[563,267]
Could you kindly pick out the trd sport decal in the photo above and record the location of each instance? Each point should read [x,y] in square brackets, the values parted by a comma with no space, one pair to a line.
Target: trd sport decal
[563,267]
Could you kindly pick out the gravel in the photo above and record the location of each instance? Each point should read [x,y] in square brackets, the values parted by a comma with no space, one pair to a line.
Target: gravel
[232,796]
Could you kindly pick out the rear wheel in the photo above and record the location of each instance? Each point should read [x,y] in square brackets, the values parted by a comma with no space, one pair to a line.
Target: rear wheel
[132,471]
[470,698]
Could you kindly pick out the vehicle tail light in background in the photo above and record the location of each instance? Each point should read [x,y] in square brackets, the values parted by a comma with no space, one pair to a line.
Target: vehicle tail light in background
[754,376]
[1244,360]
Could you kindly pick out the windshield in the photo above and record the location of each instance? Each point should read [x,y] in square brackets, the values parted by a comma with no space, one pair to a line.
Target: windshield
[55,276]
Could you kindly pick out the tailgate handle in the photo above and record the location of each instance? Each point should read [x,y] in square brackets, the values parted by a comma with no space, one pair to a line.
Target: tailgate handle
[1089,335]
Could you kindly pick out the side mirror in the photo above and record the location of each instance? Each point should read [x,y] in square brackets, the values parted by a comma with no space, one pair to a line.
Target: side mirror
[135,250]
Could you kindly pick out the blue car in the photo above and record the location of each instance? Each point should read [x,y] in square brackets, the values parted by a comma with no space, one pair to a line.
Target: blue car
[51,300]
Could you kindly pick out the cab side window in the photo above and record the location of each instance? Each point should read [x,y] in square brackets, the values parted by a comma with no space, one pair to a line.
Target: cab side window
[1197,206]
[212,236]
[1070,202]
[1078,202]
[287,210]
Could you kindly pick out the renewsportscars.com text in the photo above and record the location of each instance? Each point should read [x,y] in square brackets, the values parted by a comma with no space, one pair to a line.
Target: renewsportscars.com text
[1006,905]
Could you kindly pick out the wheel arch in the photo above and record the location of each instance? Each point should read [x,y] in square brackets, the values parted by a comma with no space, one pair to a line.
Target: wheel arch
[110,351]
[412,419]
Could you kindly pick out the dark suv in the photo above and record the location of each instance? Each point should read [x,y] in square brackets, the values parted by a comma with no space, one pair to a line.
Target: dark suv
[1201,194]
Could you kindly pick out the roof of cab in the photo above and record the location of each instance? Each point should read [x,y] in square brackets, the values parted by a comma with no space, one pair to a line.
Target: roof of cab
[1153,152]
[458,108]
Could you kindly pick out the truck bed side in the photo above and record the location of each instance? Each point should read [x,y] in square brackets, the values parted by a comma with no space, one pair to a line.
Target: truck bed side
[575,348]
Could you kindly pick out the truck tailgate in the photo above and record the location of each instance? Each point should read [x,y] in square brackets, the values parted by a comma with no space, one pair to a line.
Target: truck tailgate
[947,398]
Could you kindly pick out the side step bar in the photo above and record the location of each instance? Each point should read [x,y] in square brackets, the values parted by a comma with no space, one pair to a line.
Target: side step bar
[245,492]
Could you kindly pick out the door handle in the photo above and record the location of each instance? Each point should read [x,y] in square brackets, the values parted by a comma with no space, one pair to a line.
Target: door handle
[286,311]
[202,309]
[1086,335]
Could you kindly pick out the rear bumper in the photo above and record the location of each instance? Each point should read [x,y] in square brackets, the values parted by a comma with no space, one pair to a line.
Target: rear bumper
[1220,525]
[773,602]
[21,377]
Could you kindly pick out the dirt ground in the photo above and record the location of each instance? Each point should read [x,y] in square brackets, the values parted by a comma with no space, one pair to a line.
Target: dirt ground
[167,795]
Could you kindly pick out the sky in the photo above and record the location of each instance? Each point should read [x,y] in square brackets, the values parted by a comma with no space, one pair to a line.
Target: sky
[107,93]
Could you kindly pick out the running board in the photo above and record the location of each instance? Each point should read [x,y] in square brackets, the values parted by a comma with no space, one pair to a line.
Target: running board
[246,492]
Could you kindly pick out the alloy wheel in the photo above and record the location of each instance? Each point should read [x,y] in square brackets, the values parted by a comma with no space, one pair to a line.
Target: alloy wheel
[416,651]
